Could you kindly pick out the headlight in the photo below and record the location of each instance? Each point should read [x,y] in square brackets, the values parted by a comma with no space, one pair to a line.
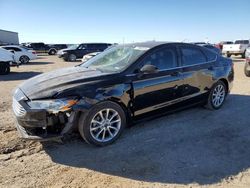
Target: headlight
[53,105]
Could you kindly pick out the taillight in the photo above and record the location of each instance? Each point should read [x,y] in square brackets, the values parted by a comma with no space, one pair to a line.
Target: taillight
[33,52]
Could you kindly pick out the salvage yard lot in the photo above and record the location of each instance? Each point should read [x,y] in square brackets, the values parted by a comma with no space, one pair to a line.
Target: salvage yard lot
[190,148]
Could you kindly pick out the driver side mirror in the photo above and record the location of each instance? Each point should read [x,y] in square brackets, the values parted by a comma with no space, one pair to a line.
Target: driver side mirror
[149,69]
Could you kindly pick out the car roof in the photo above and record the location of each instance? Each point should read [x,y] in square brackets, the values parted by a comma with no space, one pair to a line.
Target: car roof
[152,44]
[15,46]
[94,43]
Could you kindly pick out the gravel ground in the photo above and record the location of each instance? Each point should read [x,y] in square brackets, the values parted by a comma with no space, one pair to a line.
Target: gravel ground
[191,148]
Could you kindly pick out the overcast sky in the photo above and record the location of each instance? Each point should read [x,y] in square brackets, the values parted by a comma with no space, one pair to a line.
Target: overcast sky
[77,21]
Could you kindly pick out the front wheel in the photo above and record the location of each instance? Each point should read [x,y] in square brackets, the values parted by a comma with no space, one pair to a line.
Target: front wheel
[102,124]
[217,96]
[243,55]
[4,68]
[72,57]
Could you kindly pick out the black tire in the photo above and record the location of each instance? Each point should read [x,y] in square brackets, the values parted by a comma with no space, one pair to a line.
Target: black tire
[247,72]
[52,52]
[72,57]
[210,104]
[86,120]
[24,59]
[4,68]
[243,55]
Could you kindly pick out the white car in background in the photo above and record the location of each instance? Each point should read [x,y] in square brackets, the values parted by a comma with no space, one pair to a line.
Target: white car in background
[6,59]
[89,56]
[21,54]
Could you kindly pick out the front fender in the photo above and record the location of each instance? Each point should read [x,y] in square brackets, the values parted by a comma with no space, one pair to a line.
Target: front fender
[121,93]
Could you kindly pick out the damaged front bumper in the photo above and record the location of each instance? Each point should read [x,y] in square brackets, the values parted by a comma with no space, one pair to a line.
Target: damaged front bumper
[42,125]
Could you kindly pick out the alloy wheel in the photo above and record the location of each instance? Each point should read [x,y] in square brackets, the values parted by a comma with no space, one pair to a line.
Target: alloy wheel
[218,96]
[24,59]
[105,125]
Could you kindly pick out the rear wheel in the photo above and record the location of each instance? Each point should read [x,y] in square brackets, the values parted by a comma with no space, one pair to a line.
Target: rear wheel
[243,55]
[217,96]
[24,59]
[52,52]
[4,68]
[102,124]
[247,70]
[72,57]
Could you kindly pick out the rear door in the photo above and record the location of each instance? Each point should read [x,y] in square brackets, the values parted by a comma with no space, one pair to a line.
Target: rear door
[197,70]
[16,51]
[160,89]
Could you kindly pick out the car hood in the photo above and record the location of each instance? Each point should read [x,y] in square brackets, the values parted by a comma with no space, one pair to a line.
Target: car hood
[48,84]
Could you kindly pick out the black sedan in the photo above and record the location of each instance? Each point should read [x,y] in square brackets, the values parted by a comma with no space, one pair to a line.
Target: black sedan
[122,85]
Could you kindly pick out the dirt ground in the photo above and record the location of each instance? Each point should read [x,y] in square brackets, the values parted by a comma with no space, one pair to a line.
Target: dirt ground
[191,148]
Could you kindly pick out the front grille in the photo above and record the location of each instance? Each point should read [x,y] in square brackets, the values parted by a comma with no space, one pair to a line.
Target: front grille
[17,108]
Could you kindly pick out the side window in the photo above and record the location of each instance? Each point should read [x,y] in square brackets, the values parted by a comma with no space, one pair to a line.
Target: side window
[211,56]
[7,48]
[17,49]
[164,58]
[103,46]
[82,46]
[93,46]
[192,56]
[39,45]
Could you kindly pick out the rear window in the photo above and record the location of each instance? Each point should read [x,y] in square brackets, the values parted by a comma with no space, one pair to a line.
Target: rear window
[242,42]
[211,55]
[192,56]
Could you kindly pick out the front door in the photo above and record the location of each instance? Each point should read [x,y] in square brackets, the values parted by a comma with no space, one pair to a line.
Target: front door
[81,51]
[159,89]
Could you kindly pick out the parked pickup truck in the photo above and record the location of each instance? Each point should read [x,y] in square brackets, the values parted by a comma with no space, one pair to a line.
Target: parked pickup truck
[238,48]
[40,47]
